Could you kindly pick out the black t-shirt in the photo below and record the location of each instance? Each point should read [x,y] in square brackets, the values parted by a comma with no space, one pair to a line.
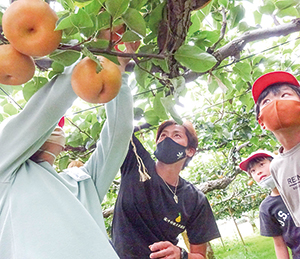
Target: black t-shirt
[275,220]
[145,212]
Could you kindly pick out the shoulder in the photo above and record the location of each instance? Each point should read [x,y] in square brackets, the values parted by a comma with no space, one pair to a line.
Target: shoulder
[271,201]
[191,190]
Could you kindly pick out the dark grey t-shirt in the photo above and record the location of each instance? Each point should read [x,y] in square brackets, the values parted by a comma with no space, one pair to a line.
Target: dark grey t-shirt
[275,220]
[146,212]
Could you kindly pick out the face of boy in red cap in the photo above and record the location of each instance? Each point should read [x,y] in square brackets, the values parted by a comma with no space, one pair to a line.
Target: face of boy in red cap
[279,102]
[260,170]
[269,79]
[280,110]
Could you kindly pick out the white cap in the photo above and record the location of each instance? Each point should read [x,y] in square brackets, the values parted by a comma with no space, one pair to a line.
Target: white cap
[57,137]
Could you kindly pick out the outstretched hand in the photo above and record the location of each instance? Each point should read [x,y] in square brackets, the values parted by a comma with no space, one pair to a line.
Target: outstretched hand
[131,47]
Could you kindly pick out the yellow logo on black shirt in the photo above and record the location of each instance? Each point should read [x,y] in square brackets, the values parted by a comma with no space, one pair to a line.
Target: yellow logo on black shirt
[178,219]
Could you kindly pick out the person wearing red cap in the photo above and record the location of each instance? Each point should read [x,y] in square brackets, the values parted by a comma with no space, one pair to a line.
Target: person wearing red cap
[275,219]
[155,204]
[277,99]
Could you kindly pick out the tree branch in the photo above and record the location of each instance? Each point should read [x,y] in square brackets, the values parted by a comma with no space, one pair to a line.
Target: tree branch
[234,47]
[215,184]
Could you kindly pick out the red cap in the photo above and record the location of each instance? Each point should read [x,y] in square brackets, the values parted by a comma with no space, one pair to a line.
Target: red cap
[258,153]
[271,78]
[61,122]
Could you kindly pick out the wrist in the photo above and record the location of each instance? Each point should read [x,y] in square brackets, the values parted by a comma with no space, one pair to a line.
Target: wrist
[183,253]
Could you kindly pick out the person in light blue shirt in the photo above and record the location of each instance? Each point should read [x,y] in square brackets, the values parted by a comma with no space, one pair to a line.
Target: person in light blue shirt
[50,215]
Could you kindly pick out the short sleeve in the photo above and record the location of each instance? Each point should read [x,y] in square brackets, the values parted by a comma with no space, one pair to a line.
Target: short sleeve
[202,226]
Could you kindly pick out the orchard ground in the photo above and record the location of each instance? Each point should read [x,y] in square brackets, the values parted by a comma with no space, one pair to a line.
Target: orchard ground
[229,232]
[231,246]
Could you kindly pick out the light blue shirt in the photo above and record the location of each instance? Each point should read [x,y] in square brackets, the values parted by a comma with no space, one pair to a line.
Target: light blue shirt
[44,214]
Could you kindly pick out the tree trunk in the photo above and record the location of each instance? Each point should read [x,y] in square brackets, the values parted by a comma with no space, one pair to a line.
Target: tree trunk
[210,252]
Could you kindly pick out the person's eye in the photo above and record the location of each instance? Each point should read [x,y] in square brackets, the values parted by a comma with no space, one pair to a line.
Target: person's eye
[162,135]
[285,95]
[265,102]
[262,164]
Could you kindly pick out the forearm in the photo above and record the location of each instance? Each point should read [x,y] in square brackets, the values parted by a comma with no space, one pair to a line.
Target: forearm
[113,143]
[282,253]
[21,135]
[280,248]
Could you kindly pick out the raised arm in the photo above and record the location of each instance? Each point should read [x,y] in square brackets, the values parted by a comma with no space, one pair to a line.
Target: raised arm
[113,143]
[21,135]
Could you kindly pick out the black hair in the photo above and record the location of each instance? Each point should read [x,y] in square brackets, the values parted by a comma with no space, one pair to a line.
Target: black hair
[256,160]
[274,88]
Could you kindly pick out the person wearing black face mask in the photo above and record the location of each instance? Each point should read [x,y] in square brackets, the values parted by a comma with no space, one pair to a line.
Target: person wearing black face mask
[155,204]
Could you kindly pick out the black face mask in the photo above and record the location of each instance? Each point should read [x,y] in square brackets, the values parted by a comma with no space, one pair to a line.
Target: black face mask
[169,152]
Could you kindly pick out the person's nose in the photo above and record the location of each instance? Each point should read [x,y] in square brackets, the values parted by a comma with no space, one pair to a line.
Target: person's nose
[259,171]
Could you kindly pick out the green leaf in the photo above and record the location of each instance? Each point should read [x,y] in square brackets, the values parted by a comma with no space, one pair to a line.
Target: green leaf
[75,139]
[103,20]
[89,54]
[162,63]
[194,58]
[137,4]
[213,86]
[116,7]
[151,117]
[64,22]
[202,13]
[65,57]
[179,86]
[140,74]
[291,11]
[237,13]
[67,4]
[94,7]
[135,21]
[31,87]
[82,3]
[254,140]
[246,99]
[267,8]
[223,3]
[10,109]
[57,67]
[257,17]
[99,44]
[158,106]
[243,69]
[283,4]
[95,131]
[81,19]
[169,103]
[155,17]
[130,36]
[196,23]
[63,162]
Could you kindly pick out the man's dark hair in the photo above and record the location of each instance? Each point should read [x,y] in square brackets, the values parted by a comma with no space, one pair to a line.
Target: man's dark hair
[274,88]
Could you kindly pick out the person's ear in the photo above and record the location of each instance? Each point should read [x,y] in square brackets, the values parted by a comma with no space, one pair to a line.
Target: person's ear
[190,152]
